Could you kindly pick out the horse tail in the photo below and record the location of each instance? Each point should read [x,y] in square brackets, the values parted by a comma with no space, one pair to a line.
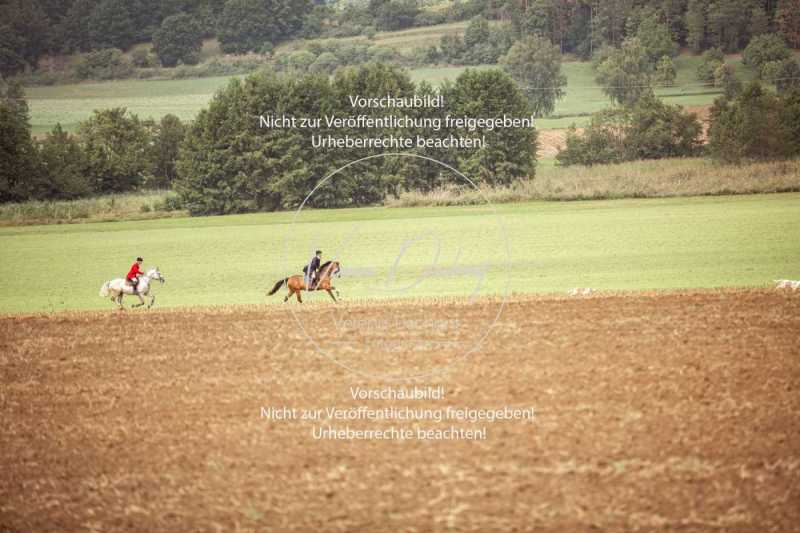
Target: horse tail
[277,286]
[104,289]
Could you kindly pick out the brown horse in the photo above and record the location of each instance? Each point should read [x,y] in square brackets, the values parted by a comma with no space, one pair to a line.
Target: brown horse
[295,284]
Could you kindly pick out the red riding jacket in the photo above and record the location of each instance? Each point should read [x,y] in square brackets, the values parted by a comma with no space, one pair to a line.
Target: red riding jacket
[134,271]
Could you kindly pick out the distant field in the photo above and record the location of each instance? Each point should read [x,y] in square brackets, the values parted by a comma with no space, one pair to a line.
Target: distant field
[402,41]
[584,96]
[70,104]
[554,246]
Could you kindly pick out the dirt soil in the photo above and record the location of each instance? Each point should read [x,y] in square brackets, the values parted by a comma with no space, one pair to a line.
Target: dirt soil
[654,412]
[550,142]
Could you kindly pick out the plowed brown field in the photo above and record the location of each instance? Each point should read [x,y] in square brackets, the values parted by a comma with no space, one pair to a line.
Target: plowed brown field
[669,411]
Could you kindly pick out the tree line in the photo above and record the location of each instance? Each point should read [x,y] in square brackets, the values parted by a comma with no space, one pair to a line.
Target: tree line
[228,164]
[582,26]
[113,151]
[30,29]
[224,162]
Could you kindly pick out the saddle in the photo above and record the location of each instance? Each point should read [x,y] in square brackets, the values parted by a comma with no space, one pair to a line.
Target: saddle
[135,286]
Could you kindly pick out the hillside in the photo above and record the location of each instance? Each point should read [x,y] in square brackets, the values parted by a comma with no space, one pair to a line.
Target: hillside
[69,104]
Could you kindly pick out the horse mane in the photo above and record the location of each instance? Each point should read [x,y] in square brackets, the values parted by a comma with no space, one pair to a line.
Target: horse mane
[325,265]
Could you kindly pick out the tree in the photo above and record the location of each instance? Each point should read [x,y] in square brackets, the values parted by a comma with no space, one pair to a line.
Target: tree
[452,47]
[788,18]
[106,64]
[625,74]
[674,15]
[111,26]
[229,163]
[600,143]
[18,168]
[609,20]
[535,65]
[650,129]
[725,77]
[712,59]
[477,32]
[510,153]
[63,167]
[396,15]
[763,49]
[659,130]
[750,127]
[24,35]
[179,39]
[11,46]
[656,39]
[73,31]
[696,25]
[791,118]
[245,25]
[728,22]
[785,74]
[535,20]
[665,72]
[167,138]
[301,60]
[325,62]
[116,146]
[759,21]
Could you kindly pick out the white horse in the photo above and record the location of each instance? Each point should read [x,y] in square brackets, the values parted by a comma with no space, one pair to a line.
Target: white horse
[117,288]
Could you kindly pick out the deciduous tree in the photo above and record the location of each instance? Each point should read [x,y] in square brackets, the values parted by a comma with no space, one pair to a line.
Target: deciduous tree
[179,39]
[535,64]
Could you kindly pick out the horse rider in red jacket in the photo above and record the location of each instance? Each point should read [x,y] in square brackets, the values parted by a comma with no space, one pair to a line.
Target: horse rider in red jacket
[134,273]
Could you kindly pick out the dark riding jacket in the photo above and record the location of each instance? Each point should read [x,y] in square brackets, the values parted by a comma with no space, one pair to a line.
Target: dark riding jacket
[312,266]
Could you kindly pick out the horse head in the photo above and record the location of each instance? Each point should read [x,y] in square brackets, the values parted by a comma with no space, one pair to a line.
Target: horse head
[154,273]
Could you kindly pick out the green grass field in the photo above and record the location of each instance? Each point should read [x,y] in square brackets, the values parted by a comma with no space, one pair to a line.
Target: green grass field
[554,246]
[71,104]
[402,40]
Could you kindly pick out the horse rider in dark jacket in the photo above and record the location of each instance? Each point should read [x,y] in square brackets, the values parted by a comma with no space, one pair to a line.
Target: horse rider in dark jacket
[311,270]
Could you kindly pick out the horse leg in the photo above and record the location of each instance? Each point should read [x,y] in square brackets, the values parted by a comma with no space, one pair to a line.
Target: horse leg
[141,301]
[331,295]
[152,301]
[299,299]
[119,301]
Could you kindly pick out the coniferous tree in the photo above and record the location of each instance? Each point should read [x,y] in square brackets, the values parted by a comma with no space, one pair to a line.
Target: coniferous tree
[73,30]
[63,167]
[696,25]
[728,22]
[787,16]
[111,25]
[18,168]
[24,35]
[245,25]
